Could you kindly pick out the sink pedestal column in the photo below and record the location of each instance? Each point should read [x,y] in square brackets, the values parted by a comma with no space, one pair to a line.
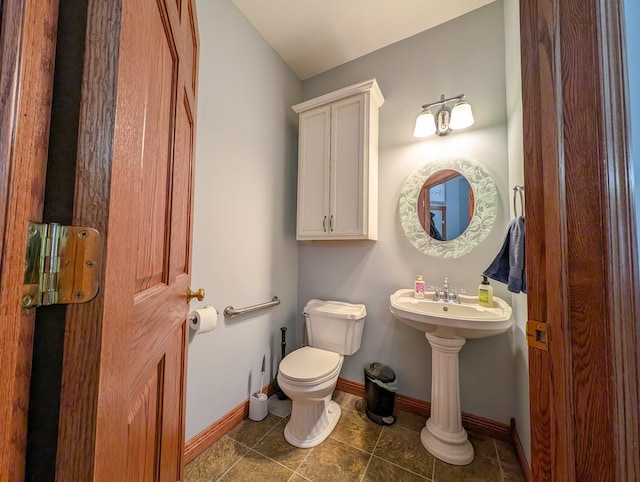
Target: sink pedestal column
[443,435]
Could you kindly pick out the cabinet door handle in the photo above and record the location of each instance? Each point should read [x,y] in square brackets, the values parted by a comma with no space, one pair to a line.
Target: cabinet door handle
[324,224]
[331,223]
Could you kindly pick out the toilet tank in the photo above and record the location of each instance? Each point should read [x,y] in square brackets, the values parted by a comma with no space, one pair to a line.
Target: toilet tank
[335,325]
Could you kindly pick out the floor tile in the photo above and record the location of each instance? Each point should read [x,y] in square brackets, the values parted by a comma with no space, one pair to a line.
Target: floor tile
[481,469]
[483,446]
[355,428]
[342,398]
[512,473]
[410,421]
[276,447]
[358,404]
[257,468]
[298,478]
[215,461]
[249,432]
[382,471]
[254,451]
[507,453]
[404,448]
[334,461]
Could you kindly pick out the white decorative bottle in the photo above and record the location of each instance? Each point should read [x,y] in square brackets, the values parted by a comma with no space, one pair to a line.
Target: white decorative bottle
[418,287]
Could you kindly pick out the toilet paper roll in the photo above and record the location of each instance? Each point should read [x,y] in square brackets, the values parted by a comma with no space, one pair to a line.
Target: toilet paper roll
[204,319]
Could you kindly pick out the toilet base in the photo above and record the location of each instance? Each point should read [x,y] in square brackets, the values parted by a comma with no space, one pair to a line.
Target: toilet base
[311,423]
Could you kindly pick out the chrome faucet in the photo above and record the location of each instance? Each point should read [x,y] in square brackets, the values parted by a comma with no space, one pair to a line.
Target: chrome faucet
[446,294]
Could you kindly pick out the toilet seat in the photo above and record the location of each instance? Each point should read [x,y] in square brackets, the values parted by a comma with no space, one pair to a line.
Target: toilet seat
[310,365]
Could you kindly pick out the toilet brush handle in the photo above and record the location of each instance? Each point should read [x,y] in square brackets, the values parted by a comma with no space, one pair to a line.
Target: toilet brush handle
[283,343]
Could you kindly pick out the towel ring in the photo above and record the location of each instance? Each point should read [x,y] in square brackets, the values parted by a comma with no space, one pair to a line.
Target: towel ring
[518,190]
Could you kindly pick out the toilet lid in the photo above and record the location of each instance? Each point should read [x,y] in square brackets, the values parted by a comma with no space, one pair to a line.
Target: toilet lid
[308,364]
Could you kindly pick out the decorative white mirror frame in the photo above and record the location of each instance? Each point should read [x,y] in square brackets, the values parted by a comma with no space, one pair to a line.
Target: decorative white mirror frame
[484,210]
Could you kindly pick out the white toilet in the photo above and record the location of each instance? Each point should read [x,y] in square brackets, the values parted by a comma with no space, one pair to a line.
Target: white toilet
[309,375]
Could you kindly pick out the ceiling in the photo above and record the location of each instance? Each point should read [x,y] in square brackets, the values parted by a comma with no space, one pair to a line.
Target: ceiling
[313,36]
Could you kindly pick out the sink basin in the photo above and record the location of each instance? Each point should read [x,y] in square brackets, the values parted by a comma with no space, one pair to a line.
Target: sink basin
[448,320]
[447,326]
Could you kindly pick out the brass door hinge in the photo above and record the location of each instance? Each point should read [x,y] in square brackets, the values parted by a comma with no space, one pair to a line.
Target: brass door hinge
[62,265]
[537,335]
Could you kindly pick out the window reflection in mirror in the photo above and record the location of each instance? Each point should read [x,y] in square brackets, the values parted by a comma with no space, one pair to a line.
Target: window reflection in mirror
[445,205]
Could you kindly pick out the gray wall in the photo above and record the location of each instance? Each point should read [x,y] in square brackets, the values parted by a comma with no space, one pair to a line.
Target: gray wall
[465,55]
[632,20]
[244,249]
[516,176]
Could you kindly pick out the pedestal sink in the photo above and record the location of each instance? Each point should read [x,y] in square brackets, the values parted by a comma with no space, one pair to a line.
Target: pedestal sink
[447,326]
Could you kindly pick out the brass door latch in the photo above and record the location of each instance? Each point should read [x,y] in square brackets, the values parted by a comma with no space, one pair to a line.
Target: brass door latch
[537,335]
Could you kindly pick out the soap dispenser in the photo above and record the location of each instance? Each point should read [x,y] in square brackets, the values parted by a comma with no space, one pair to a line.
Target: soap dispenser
[418,287]
[485,293]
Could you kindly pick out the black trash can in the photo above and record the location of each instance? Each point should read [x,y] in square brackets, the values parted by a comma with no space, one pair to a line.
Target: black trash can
[380,393]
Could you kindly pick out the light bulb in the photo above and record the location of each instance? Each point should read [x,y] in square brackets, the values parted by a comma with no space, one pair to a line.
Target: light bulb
[425,125]
[461,116]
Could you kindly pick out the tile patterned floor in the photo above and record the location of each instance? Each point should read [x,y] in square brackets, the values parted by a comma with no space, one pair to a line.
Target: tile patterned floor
[357,450]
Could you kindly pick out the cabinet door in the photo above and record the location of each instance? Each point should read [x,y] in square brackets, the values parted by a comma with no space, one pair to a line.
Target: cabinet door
[313,174]
[347,216]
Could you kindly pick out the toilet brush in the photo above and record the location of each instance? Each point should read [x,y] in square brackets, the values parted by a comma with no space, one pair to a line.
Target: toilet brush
[283,344]
[264,359]
[258,402]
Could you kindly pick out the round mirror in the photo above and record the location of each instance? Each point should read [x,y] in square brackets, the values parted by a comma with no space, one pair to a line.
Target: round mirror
[445,205]
[448,226]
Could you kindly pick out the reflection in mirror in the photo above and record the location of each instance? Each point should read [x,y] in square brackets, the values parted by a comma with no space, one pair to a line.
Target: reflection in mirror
[445,205]
[435,175]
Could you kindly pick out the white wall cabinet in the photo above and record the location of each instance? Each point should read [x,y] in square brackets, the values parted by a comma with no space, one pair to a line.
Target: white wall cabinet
[338,164]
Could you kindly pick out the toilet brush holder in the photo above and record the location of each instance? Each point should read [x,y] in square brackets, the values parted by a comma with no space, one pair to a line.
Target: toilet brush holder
[258,406]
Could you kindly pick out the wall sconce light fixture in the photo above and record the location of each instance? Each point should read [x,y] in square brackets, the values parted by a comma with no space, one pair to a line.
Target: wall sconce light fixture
[445,118]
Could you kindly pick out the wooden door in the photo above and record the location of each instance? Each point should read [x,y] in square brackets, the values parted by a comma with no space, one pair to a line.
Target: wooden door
[582,260]
[123,379]
[27,51]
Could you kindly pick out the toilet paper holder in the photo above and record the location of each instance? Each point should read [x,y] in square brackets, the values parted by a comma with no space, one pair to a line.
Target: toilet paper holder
[192,317]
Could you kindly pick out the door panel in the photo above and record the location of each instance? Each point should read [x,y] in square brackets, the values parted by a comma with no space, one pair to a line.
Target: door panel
[144,414]
[152,70]
[190,56]
[139,324]
[182,179]
[164,171]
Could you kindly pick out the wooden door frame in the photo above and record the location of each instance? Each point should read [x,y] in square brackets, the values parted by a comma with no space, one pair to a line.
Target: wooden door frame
[86,371]
[89,371]
[27,51]
[582,264]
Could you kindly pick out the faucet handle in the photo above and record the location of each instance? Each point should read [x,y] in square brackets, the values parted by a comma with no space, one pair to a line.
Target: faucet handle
[436,292]
[456,292]
[446,283]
